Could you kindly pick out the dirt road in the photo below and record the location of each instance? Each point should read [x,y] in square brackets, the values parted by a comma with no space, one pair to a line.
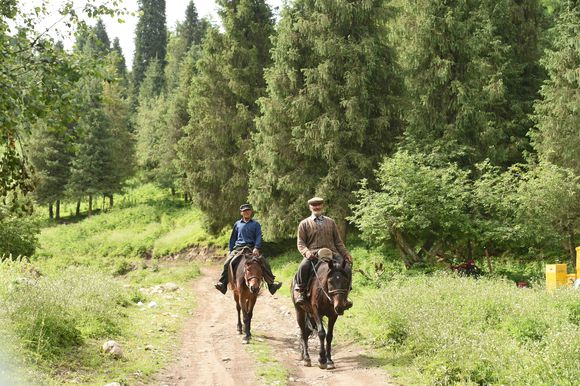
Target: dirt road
[211,351]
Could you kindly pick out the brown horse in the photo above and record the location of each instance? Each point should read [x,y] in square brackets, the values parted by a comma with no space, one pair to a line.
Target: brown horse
[329,290]
[246,287]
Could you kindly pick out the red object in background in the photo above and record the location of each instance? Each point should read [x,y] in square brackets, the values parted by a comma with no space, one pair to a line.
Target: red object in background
[522,284]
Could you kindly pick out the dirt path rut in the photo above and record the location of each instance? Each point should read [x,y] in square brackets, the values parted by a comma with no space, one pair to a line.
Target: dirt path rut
[211,352]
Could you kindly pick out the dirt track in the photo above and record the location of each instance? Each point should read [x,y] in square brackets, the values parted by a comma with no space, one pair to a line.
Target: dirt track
[211,352]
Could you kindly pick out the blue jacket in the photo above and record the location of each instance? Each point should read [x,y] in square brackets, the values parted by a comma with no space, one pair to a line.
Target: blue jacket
[246,233]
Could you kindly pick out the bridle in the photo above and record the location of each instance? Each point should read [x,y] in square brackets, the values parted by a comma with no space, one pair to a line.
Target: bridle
[331,292]
[248,279]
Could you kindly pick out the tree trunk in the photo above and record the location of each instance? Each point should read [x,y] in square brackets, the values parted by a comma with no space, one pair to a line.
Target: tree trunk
[572,246]
[50,212]
[184,196]
[172,191]
[78,211]
[409,255]
[90,204]
[488,259]
[58,209]
[111,200]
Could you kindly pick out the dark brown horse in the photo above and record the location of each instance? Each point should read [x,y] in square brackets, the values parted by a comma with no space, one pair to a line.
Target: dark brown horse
[246,287]
[329,290]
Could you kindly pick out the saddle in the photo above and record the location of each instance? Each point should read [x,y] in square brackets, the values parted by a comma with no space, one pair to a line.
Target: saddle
[234,263]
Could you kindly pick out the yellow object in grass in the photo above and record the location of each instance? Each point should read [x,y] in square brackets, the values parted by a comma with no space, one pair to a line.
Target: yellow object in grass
[556,276]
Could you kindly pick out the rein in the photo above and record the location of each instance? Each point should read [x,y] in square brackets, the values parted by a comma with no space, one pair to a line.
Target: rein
[320,282]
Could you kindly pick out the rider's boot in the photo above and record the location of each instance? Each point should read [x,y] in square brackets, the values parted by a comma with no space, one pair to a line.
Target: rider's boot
[300,295]
[222,284]
[273,287]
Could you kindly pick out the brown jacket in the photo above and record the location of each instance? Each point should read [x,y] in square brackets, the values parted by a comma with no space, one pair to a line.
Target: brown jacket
[313,236]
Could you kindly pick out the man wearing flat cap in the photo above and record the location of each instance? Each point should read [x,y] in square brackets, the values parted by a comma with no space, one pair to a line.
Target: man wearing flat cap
[316,232]
[247,233]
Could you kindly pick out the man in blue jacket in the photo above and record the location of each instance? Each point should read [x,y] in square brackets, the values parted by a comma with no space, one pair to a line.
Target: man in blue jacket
[247,233]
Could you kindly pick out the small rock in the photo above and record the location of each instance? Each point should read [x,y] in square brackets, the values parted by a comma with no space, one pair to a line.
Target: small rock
[113,384]
[140,303]
[113,348]
[153,304]
[291,379]
[148,347]
[226,359]
[170,287]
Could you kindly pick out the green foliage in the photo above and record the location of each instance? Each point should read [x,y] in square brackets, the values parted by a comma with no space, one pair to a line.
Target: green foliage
[430,208]
[471,74]
[558,111]
[331,111]
[457,330]
[419,205]
[150,42]
[18,234]
[222,107]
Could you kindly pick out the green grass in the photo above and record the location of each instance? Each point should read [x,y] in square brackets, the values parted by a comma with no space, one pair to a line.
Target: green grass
[270,371]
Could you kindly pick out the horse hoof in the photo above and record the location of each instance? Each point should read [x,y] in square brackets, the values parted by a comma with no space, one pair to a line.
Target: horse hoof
[240,332]
[330,365]
[322,365]
[307,363]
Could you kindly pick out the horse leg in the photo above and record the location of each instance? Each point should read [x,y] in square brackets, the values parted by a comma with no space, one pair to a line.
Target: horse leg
[329,335]
[304,334]
[321,336]
[238,308]
[248,318]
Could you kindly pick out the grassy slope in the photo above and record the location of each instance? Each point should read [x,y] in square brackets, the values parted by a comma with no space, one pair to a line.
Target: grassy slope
[108,250]
[446,330]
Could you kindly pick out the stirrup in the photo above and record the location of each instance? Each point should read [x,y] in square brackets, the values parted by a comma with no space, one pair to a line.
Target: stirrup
[221,287]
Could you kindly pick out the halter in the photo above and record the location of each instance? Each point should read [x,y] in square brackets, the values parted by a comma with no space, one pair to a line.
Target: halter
[332,292]
[247,280]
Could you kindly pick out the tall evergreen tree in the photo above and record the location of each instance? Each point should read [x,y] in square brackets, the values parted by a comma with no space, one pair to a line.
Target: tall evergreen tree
[557,138]
[193,29]
[223,107]
[331,110]
[120,64]
[51,154]
[93,162]
[150,40]
[471,76]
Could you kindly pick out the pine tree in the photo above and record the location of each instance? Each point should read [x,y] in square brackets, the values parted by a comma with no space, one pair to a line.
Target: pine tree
[223,107]
[193,29]
[121,65]
[557,113]
[93,162]
[116,110]
[331,110]
[51,155]
[470,76]
[150,40]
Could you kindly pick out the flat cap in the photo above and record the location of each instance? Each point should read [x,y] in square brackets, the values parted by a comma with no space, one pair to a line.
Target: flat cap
[316,200]
[245,207]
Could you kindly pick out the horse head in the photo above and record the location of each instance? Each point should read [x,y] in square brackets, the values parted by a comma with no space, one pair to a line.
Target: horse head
[253,273]
[338,281]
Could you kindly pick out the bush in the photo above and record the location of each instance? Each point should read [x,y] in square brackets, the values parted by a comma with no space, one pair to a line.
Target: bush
[18,235]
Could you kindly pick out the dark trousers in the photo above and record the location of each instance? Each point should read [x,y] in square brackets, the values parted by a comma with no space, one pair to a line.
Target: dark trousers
[267,270]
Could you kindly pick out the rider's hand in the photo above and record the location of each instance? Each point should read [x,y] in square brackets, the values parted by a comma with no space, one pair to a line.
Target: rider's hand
[349,258]
[310,255]
[256,252]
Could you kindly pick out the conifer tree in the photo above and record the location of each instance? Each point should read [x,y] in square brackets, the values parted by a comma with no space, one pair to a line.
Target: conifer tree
[150,40]
[330,114]
[223,107]
[557,113]
[471,76]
